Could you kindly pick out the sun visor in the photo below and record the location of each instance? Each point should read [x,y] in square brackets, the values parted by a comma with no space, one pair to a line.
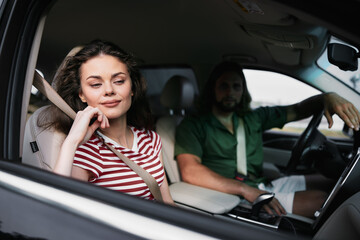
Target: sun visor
[283,55]
[280,37]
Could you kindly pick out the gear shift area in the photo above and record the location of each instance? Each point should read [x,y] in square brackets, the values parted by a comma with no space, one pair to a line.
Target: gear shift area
[255,214]
[259,202]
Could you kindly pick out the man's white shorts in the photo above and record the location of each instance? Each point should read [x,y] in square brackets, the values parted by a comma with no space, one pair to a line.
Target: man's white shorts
[285,188]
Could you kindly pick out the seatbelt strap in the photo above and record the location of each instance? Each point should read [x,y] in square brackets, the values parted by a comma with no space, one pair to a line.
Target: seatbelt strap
[145,175]
[241,148]
[44,87]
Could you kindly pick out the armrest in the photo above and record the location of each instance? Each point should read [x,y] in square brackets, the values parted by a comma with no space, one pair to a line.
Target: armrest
[203,198]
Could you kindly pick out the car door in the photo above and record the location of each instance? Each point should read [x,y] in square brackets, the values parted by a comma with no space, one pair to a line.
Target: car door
[24,214]
[36,204]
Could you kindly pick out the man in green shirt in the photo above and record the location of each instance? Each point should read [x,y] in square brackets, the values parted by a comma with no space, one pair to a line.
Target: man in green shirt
[206,146]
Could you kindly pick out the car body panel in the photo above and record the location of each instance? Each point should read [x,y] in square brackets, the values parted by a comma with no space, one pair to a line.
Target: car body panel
[53,204]
[37,33]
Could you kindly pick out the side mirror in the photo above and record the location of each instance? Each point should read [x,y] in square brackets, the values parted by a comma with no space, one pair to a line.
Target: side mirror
[343,56]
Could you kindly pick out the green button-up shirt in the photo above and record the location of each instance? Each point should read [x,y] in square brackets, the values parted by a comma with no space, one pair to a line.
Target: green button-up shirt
[208,139]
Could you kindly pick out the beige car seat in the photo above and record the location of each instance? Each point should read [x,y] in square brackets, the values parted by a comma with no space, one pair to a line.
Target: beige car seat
[178,96]
[41,146]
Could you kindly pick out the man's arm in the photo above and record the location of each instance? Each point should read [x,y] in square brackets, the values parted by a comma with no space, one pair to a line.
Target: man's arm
[332,104]
[193,172]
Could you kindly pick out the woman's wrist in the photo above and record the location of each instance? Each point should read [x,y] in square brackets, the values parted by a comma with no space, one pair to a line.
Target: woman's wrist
[65,159]
[70,144]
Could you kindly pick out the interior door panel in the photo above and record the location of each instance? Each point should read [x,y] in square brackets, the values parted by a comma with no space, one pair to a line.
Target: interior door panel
[276,156]
[278,145]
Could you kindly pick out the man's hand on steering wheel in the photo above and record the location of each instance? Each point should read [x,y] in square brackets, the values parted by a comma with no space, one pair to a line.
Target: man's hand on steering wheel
[334,104]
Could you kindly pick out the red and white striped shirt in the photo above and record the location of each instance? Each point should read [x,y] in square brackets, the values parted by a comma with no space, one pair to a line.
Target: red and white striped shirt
[111,172]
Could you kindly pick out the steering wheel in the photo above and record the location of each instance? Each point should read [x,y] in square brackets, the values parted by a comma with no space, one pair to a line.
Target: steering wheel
[303,141]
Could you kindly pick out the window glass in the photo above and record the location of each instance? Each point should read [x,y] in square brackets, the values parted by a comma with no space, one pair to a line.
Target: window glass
[156,78]
[270,88]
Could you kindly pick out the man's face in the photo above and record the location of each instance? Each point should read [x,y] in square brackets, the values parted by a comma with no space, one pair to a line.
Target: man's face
[228,91]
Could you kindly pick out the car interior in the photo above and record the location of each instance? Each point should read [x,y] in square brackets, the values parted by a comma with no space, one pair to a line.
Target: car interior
[178,43]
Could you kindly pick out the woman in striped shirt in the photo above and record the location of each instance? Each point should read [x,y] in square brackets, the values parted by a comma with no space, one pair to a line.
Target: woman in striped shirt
[102,83]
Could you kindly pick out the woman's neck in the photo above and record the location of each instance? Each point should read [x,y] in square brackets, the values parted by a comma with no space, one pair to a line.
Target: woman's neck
[119,132]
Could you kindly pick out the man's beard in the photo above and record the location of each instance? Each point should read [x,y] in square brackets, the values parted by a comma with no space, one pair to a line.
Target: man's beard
[226,108]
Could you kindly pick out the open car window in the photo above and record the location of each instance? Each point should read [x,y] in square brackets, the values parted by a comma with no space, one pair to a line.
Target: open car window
[285,90]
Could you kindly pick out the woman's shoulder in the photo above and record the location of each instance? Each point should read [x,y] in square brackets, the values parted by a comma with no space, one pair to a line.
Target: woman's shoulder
[95,143]
[147,137]
[142,132]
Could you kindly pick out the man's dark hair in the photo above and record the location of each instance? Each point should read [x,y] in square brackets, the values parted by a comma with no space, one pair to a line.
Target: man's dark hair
[208,96]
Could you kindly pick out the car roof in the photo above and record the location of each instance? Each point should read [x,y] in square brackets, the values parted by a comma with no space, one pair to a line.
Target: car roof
[259,34]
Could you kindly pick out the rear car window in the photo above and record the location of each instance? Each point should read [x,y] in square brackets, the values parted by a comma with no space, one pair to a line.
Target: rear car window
[156,78]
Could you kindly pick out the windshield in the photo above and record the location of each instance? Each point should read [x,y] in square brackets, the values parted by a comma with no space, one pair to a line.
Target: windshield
[350,78]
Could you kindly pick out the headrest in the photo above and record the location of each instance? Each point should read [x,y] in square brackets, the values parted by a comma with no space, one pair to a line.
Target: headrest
[178,93]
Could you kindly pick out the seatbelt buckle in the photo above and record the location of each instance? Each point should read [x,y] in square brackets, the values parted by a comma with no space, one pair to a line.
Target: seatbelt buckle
[240,177]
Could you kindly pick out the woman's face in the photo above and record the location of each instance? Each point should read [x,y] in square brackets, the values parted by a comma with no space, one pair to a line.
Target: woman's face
[106,84]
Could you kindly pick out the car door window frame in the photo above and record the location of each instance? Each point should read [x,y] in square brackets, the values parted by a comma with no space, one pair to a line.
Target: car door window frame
[286,90]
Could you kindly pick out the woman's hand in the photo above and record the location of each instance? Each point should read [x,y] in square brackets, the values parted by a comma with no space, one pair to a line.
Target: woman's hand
[80,131]
[334,104]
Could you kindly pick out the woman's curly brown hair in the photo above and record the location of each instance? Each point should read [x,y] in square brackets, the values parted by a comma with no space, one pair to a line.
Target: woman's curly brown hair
[67,84]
